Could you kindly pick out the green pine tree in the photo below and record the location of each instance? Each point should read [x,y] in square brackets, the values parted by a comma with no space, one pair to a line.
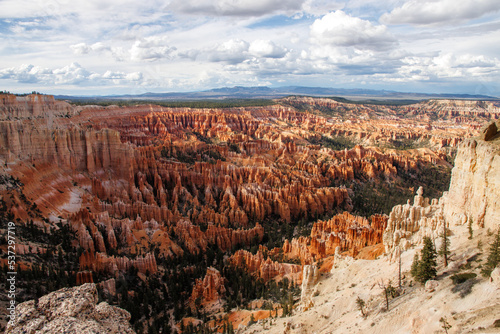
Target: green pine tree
[444,251]
[361,305]
[493,257]
[427,264]
[471,232]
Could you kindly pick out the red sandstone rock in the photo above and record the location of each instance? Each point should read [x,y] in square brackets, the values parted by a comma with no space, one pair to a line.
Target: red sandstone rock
[83,277]
[209,289]
[266,269]
[343,230]
[114,265]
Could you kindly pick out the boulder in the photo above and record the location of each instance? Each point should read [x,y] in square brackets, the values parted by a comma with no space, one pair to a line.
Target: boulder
[70,310]
[495,277]
[431,285]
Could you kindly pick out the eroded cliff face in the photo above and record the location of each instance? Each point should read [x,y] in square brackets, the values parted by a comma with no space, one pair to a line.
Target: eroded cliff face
[31,106]
[475,185]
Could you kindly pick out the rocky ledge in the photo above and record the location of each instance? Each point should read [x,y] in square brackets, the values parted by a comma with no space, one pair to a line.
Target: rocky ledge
[70,310]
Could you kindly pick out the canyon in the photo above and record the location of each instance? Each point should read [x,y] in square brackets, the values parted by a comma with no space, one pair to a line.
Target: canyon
[172,199]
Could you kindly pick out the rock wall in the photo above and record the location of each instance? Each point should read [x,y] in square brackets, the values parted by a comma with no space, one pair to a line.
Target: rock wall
[408,224]
[70,310]
[475,185]
[33,106]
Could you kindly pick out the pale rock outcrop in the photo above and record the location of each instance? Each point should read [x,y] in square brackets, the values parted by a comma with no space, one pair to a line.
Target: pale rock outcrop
[474,193]
[490,131]
[409,224]
[70,310]
[310,277]
[431,285]
[475,185]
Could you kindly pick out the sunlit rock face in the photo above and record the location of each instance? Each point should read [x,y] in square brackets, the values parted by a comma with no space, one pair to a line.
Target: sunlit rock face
[475,185]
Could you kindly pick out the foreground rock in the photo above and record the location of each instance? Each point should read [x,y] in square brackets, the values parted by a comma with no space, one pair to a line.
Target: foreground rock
[70,310]
[309,279]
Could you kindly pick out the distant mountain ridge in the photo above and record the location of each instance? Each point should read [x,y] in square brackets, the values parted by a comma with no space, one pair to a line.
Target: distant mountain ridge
[264,92]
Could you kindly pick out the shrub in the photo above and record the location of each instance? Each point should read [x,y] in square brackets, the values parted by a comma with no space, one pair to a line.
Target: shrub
[464,288]
[460,278]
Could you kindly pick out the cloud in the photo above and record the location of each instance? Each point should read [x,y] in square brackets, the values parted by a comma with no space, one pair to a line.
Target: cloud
[340,29]
[448,66]
[72,74]
[436,12]
[233,51]
[235,7]
[151,49]
[266,49]
[83,48]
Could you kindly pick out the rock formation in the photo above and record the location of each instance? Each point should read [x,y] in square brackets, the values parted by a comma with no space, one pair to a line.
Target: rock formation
[115,265]
[70,310]
[31,106]
[139,186]
[475,185]
[350,233]
[409,224]
[309,279]
[208,290]
[264,268]
[473,194]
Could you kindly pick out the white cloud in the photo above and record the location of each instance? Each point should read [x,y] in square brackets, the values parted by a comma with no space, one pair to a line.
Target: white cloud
[320,7]
[267,49]
[340,29]
[80,48]
[445,66]
[232,51]
[235,7]
[434,12]
[151,49]
[72,74]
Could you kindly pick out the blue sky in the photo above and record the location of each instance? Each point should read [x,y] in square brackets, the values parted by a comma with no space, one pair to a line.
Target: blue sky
[84,47]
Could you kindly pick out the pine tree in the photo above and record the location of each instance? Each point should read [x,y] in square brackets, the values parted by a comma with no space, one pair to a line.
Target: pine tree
[427,264]
[471,232]
[361,305]
[493,257]
[445,245]
[445,324]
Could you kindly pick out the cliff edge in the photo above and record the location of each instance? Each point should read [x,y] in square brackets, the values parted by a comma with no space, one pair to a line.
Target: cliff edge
[475,181]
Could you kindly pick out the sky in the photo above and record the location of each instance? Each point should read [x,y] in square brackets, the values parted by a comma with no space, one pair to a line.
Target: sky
[99,47]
